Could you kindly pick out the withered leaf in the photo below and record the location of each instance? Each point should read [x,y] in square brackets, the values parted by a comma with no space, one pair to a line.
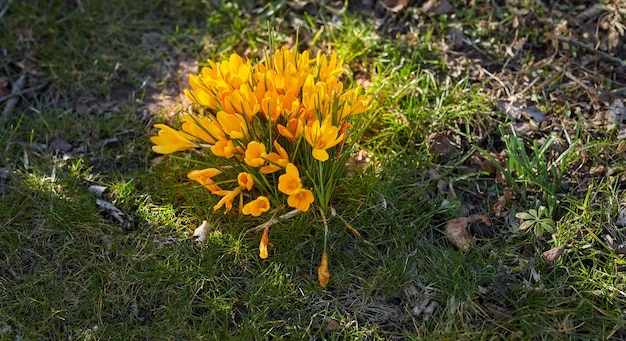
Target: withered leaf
[4,86]
[395,5]
[502,201]
[440,143]
[498,312]
[552,255]
[332,326]
[457,233]
[60,145]
[621,147]
[476,217]
[500,177]
[525,224]
[598,170]
[484,163]
[438,7]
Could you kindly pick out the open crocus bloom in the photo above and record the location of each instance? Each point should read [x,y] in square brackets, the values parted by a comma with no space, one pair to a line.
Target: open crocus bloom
[257,206]
[301,200]
[321,137]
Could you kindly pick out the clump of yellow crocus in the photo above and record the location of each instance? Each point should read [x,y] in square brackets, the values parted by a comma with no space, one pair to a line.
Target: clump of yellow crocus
[277,129]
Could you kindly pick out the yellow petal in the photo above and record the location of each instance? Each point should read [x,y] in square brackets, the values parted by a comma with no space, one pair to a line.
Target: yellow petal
[170,140]
[320,155]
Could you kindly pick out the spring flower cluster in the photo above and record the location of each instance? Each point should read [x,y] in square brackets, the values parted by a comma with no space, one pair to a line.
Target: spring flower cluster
[275,135]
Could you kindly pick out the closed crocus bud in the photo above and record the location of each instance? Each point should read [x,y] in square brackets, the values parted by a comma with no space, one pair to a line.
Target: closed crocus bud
[323,275]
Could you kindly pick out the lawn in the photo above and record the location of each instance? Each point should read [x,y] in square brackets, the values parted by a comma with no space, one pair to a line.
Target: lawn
[484,201]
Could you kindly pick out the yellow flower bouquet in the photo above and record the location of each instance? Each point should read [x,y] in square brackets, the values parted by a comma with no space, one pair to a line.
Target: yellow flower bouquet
[281,129]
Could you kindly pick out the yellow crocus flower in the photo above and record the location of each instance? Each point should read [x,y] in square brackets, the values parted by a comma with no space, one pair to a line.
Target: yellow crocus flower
[290,182]
[245,180]
[292,131]
[202,128]
[255,154]
[200,95]
[234,125]
[321,137]
[301,199]
[328,68]
[205,178]
[227,199]
[257,206]
[224,148]
[241,101]
[353,103]
[277,160]
[170,140]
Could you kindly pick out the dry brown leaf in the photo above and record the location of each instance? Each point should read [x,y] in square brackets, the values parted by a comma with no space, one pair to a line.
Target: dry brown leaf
[476,217]
[455,37]
[621,217]
[362,76]
[331,326]
[5,174]
[500,178]
[440,144]
[502,201]
[115,213]
[517,111]
[524,127]
[598,170]
[104,142]
[359,159]
[395,5]
[60,145]
[443,186]
[621,147]
[438,7]
[4,86]
[552,255]
[485,164]
[97,190]
[456,231]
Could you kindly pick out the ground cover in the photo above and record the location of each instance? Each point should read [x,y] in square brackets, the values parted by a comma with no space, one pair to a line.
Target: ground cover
[487,192]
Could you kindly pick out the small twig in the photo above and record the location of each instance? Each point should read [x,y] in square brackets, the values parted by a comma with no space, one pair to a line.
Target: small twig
[23,92]
[273,221]
[591,48]
[590,13]
[5,8]
[570,76]
[618,92]
[116,213]
[17,86]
